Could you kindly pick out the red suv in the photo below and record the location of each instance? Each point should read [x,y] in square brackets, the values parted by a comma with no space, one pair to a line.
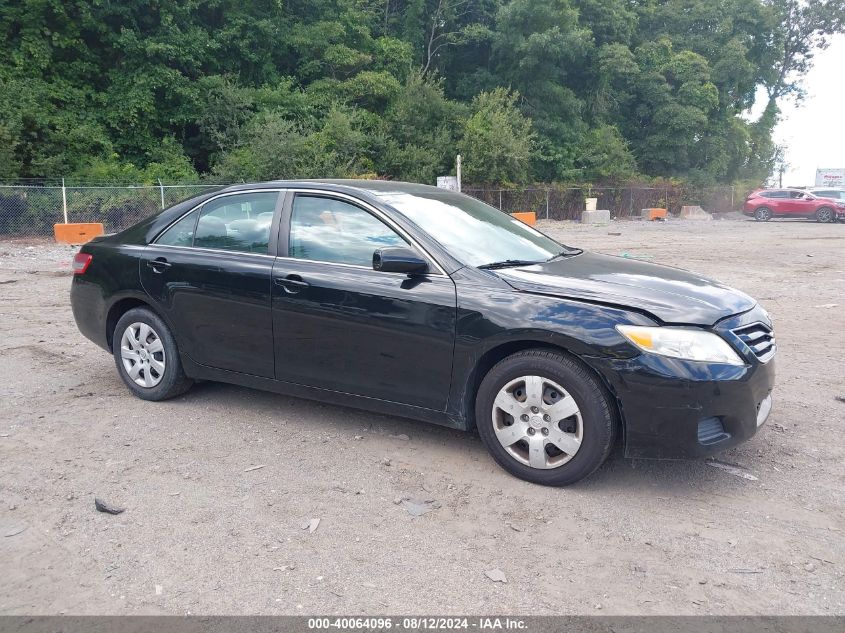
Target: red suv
[766,204]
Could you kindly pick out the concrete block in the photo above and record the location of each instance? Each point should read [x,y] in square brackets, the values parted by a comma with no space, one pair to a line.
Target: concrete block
[529,217]
[599,216]
[694,213]
[77,233]
[653,214]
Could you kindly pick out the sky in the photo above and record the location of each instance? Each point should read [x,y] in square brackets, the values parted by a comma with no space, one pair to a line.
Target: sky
[814,130]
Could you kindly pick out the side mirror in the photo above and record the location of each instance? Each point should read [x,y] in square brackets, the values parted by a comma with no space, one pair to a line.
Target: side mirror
[399,259]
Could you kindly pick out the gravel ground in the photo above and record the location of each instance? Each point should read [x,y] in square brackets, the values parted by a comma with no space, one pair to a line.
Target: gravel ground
[206,532]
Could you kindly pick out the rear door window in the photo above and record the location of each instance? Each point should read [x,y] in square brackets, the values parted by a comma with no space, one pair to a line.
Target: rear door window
[239,222]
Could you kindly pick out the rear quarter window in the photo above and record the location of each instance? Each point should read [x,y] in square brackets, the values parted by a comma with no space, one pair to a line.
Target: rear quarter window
[181,233]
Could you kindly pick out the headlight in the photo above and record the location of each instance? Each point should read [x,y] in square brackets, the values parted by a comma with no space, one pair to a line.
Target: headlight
[683,343]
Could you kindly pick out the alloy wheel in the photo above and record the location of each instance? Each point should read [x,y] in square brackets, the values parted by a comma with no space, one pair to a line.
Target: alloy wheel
[824,215]
[142,355]
[537,422]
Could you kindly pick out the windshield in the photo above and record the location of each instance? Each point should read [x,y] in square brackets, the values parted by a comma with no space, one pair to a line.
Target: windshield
[473,232]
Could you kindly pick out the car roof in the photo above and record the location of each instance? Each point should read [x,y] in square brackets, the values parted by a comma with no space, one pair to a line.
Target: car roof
[374,187]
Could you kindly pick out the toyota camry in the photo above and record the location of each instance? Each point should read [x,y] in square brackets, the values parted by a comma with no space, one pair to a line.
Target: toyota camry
[419,302]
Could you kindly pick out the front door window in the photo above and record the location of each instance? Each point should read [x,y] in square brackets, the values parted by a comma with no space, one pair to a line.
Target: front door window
[329,230]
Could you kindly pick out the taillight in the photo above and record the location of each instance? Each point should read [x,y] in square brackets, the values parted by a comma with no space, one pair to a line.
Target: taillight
[81,261]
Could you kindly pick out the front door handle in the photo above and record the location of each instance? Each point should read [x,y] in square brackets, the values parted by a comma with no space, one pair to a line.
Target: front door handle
[291,284]
[159,264]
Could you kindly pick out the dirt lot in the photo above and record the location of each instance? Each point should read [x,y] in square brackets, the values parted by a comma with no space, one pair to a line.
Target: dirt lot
[202,533]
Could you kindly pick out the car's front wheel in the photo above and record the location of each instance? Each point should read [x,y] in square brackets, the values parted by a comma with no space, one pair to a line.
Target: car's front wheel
[146,356]
[763,214]
[825,214]
[545,418]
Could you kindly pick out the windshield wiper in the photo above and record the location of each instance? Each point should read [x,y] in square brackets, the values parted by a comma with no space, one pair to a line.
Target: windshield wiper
[508,263]
[570,252]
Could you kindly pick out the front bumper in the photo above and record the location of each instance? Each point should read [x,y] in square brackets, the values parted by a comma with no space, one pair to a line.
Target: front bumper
[676,409]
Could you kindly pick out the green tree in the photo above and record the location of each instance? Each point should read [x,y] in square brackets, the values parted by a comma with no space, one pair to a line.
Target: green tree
[675,100]
[497,139]
[137,90]
[418,137]
[603,156]
[276,148]
[540,47]
[805,28]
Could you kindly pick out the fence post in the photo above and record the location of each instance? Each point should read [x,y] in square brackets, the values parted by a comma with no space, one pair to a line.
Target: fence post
[161,188]
[458,171]
[732,197]
[500,199]
[64,200]
[547,204]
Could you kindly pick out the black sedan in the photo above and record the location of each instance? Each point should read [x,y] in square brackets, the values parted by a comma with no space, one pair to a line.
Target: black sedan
[415,301]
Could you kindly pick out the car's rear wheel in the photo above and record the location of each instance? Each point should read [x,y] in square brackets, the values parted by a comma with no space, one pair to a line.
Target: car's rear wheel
[146,356]
[545,418]
[763,214]
[825,214]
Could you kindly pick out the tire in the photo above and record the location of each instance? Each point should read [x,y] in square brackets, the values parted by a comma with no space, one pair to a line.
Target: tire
[763,214]
[825,214]
[146,356]
[587,436]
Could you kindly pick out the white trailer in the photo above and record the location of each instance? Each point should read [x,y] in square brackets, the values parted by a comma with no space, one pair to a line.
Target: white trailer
[833,177]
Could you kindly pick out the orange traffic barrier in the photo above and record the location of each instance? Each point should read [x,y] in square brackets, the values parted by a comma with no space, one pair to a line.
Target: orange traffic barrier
[529,217]
[654,214]
[78,233]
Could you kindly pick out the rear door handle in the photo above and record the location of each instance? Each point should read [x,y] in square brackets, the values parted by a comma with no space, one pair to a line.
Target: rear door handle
[159,264]
[291,283]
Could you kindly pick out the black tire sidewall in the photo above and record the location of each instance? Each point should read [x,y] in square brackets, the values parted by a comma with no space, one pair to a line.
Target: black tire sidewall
[597,413]
[173,382]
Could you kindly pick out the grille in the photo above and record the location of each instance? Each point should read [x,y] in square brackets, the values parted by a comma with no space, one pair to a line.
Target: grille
[759,338]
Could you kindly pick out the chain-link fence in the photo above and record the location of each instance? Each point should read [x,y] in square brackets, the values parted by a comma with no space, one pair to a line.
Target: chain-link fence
[567,203]
[31,210]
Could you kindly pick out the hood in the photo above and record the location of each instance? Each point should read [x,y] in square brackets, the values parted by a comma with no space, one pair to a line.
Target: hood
[670,294]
